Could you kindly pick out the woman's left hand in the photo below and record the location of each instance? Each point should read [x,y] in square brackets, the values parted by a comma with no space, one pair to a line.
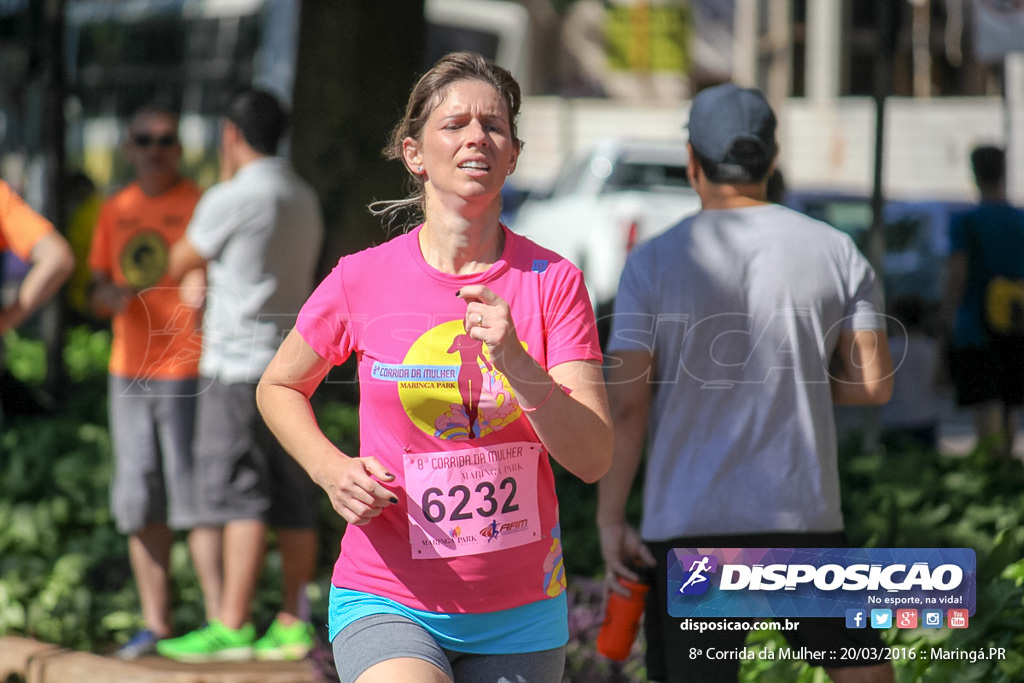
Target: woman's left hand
[489,319]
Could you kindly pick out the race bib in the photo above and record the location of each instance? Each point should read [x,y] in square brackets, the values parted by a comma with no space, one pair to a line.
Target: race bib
[472,501]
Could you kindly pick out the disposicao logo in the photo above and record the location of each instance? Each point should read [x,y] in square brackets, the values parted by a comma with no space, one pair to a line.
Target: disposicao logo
[818,582]
[696,581]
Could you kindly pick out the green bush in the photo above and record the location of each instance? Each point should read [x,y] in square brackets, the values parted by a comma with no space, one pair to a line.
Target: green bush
[920,499]
[913,499]
[64,572]
[62,563]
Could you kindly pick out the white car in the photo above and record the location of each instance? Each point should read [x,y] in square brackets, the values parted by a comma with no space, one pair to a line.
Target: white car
[607,199]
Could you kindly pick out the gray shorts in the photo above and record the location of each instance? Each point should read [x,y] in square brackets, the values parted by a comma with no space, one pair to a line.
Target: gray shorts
[242,471]
[151,430]
[374,639]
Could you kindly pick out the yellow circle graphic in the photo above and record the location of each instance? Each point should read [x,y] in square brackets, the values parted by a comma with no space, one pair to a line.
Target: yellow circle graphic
[144,259]
[451,390]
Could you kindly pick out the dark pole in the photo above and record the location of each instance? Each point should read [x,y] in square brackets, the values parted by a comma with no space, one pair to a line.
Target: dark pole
[887,35]
[54,88]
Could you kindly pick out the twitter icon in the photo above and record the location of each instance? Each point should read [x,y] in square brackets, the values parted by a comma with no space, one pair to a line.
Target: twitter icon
[881,618]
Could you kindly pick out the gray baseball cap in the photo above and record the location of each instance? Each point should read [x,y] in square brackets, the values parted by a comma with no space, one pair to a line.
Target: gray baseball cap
[722,116]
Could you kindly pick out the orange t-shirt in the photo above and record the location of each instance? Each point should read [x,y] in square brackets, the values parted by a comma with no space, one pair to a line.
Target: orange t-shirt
[20,226]
[155,336]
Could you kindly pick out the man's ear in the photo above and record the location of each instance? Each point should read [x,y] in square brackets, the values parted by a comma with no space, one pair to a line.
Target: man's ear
[229,135]
[693,169]
[229,132]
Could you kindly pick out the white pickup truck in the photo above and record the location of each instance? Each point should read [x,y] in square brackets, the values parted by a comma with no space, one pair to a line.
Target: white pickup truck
[605,200]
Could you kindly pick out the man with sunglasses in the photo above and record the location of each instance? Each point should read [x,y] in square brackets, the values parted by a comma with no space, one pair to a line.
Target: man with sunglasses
[154,367]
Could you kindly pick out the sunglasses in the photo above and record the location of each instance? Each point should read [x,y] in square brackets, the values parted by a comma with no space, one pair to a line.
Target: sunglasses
[145,140]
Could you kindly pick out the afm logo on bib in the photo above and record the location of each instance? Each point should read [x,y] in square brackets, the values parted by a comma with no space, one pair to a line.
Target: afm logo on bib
[695,579]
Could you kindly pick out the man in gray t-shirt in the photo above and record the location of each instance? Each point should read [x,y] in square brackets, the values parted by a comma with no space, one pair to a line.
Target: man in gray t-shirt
[257,236]
[734,334]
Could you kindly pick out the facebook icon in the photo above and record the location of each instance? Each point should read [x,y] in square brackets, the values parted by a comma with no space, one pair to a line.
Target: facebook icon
[856,618]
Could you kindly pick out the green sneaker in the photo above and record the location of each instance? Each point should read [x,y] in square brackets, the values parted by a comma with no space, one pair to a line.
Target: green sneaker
[285,643]
[214,642]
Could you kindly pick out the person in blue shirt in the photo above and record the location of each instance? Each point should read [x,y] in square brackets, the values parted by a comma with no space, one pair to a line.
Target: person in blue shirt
[986,363]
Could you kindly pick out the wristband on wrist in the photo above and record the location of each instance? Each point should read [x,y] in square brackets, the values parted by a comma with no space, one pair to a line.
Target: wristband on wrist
[543,400]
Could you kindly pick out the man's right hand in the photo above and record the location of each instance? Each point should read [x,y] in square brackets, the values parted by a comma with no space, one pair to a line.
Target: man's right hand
[621,546]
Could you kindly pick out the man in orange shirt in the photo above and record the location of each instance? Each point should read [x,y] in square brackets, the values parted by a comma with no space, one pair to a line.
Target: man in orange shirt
[33,239]
[154,365]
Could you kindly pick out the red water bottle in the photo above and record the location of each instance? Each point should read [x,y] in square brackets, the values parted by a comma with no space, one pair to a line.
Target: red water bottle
[622,616]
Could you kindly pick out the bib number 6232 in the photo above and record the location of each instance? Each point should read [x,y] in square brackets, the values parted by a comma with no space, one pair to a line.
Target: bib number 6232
[489,500]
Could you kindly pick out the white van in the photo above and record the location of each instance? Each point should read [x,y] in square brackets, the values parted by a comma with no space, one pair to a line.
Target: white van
[497,29]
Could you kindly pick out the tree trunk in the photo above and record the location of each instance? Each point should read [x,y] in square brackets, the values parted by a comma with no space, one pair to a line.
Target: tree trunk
[355,66]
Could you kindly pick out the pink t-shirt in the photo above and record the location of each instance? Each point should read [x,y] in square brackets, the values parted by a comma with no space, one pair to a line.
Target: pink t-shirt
[476,527]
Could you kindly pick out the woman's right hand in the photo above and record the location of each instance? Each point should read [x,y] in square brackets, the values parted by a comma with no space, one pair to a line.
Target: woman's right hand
[355,489]
[356,486]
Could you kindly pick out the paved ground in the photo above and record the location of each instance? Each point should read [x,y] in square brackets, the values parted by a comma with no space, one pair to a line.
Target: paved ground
[37,662]
[956,435]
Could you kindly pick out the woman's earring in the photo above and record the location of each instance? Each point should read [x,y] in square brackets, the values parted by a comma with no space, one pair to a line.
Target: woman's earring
[419,169]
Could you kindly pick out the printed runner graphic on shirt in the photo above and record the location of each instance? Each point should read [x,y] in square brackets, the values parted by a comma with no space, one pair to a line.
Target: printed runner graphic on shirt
[472,500]
[449,387]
